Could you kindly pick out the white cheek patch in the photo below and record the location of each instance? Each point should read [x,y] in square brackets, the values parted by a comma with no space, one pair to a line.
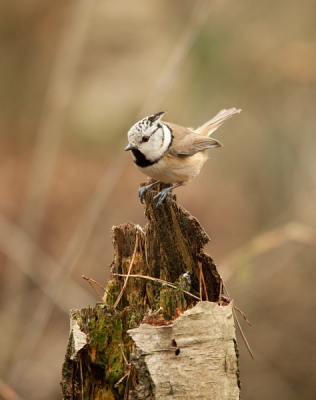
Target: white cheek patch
[167,137]
[158,143]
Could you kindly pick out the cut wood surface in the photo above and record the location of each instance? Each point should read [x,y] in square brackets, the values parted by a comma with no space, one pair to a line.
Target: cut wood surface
[152,337]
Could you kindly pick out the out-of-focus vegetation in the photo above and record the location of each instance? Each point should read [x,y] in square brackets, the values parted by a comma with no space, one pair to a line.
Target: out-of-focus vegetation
[74,77]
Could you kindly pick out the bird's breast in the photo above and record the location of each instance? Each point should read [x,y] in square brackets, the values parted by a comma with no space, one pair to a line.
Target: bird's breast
[170,169]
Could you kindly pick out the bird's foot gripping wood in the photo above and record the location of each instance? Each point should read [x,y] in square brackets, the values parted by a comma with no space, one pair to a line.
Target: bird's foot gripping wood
[144,189]
[161,196]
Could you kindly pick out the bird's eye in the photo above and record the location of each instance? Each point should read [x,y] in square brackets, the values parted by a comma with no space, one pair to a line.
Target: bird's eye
[145,138]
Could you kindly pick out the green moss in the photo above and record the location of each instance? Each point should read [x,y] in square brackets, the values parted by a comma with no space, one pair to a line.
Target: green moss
[106,329]
[171,300]
[113,289]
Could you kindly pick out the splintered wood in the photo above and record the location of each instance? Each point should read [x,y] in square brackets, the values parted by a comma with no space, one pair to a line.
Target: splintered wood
[163,329]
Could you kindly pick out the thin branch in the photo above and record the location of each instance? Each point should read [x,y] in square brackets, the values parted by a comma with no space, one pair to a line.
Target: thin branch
[243,315]
[220,292]
[224,286]
[90,281]
[203,280]
[123,354]
[126,375]
[97,283]
[146,253]
[242,334]
[200,281]
[128,273]
[160,281]
[238,324]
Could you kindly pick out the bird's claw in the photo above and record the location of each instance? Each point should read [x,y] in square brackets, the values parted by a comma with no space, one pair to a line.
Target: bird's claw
[141,193]
[144,189]
[161,196]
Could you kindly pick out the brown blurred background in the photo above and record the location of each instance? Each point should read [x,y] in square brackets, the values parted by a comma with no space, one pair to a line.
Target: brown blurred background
[75,75]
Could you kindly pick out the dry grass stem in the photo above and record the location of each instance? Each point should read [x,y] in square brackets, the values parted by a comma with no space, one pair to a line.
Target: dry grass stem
[203,280]
[91,281]
[238,324]
[129,376]
[123,354]
[220,292]
[224,286]
[97,283]
[242,334]
[200,281]
[160,281]
[244,316]
[128,273]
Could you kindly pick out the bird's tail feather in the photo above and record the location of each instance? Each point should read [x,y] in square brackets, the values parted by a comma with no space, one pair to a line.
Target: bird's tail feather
[210,126]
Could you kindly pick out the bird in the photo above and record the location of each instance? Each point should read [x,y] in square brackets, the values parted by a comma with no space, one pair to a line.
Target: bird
[171,153]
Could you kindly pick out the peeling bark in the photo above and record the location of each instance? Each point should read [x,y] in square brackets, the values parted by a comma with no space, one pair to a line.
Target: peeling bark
[176,346]
[194,358]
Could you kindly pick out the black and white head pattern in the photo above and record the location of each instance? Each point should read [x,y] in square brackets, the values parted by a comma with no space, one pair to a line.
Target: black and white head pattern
[149,139]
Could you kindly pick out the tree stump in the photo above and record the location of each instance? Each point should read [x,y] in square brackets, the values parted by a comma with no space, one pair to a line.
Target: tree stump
[163,330]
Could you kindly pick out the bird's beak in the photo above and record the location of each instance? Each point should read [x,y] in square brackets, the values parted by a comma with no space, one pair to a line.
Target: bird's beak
[130,147]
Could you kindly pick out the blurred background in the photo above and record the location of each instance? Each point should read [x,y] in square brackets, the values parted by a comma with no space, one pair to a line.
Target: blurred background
[75,75]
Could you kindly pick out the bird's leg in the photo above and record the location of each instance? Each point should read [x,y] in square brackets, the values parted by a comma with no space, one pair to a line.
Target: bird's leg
[143,190]
[166,192]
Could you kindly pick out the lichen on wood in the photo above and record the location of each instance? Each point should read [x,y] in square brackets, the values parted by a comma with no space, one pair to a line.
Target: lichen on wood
[104,360]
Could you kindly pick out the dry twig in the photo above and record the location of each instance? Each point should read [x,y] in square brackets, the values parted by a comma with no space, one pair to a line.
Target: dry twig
[238,324]
[242,334]
[244,316]
[160,281]
[129,375]
[220,292]
[91,281]
[128,273]
[203,280]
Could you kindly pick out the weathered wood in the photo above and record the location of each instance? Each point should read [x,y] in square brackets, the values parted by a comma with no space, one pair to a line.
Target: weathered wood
[154,326]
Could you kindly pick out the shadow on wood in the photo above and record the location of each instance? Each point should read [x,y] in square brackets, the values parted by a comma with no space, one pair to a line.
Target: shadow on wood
[162,330]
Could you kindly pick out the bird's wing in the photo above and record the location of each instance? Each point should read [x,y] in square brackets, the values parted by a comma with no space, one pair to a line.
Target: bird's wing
[186,142]
[210,126]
